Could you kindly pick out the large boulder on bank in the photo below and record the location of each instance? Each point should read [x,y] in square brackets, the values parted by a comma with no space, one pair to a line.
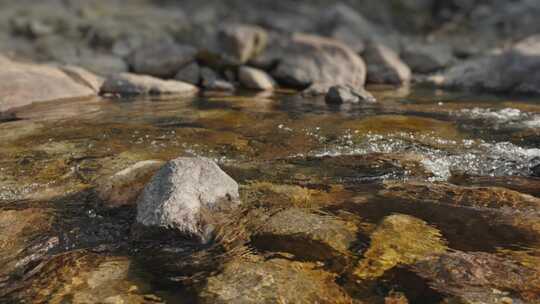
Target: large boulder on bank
[133,84]
[161,58]
[184,195]
[384,66]
[514,70]
[190,73]
[22,84]
[316,63]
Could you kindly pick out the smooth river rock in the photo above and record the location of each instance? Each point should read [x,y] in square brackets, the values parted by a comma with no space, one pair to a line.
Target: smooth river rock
[22,84]
[252,78]
[133,84]
[184,195]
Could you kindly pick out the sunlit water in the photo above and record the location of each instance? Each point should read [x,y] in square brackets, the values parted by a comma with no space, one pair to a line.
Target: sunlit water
[57,152]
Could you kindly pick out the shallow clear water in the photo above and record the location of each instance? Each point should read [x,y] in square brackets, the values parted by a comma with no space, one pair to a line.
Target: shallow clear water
[52,158]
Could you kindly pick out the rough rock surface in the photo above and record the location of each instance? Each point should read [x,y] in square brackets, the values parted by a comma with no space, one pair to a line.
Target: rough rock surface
[273,281]
[427,57]
[132,84]
[480,277]
[190,73]
[23,84]
[184,194]
[514,70]
[344,94]
[123,187]
[256,79]
[307,235]
[316,63]
[161,58]
[384,66]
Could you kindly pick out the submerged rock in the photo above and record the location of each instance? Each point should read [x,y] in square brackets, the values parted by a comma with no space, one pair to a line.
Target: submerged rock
[161,58]
[183,196]
[344,94]
[124,187]
[384,66]
[254,280]
[399,240]
[308,236]
[480,197]
[256,79]
[511,71]
[132,84]
[317,63]
[23,241]
[476,277]
[22,84]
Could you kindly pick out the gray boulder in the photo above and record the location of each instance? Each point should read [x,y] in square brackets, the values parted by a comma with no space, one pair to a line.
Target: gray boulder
[210,80]
[184,195]
[190,73]
[384,66]
[132,84]
[256,79]
[344,94]
[426,58]
[514,70]
[22,84]
[240,42]
[317,63]
[161,58]
[345,24]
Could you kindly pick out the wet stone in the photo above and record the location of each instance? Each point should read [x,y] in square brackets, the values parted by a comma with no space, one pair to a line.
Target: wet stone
[399,240]
[252,280]
[480,197]
[184,195]
[309,236]
[480,277]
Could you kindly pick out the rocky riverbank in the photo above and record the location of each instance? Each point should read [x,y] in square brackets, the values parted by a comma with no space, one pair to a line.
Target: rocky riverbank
[161,151]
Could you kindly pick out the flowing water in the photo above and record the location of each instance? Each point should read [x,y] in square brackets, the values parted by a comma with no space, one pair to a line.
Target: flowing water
[427,160]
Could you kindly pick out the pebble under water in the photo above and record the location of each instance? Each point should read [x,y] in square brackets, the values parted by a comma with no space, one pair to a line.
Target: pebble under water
[426,197]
